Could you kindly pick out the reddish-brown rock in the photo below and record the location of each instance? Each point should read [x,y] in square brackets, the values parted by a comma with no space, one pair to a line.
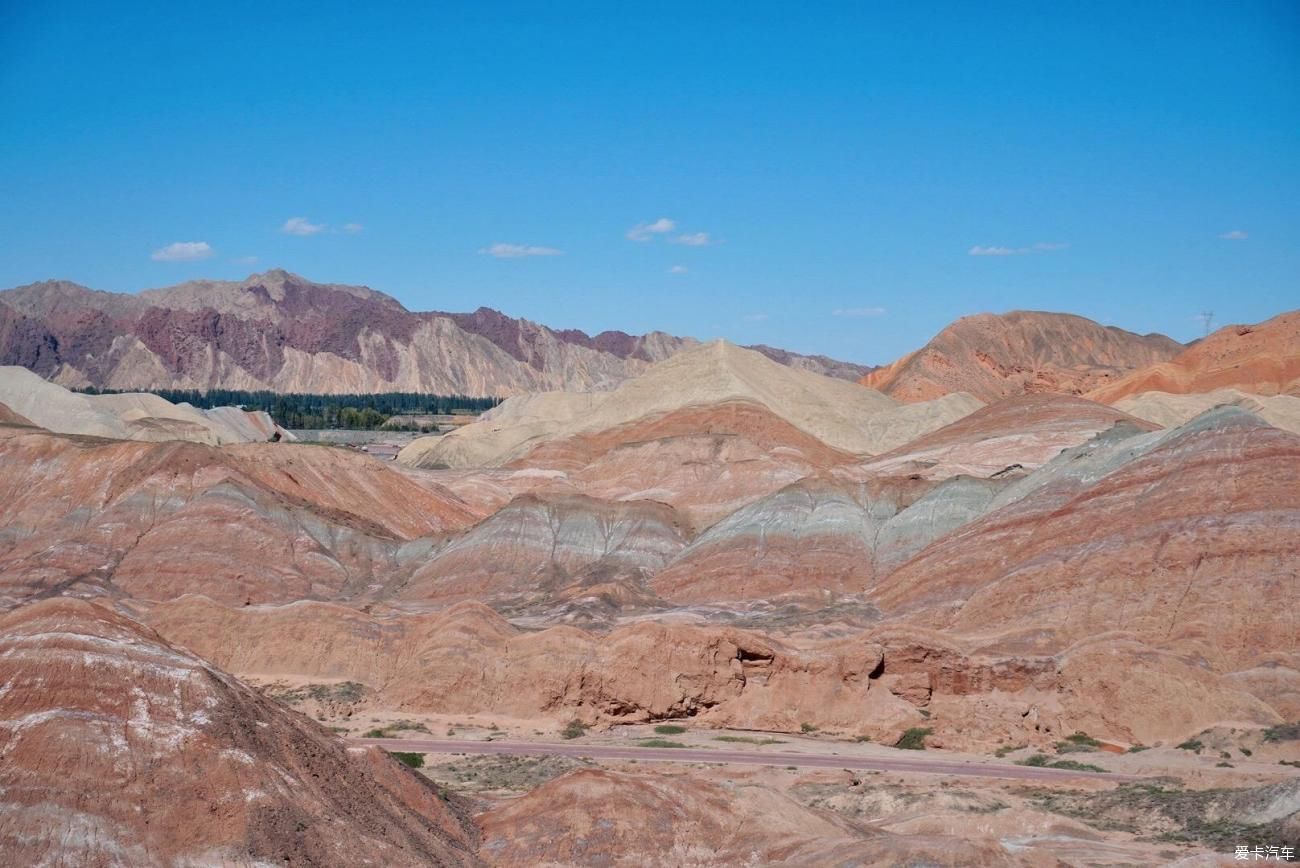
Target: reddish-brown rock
[1262,359]
[119,749]
[993,357]
[156,520]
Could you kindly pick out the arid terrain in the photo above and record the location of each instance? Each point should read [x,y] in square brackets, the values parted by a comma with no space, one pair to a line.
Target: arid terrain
[1027,596]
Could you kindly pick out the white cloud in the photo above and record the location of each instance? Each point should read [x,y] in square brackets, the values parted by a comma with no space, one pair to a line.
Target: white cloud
[1235,235]
[858,311]
[517,251]
[183,251]
[301,226]
[754,317]
[646,231]
[352,228]
[678,269]
[695,239]
[246,260]
[1040,247]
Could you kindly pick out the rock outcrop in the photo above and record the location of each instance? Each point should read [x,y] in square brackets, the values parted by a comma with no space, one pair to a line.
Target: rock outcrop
[120,749]
[997,356]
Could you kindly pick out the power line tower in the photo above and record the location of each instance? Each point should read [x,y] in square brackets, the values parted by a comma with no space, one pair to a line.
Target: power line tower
[1207,317]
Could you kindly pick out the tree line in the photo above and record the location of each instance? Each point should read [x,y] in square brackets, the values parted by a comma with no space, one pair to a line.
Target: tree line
[304,410]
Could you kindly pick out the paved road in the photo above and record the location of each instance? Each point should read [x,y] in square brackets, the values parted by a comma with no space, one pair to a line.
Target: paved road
[934,764]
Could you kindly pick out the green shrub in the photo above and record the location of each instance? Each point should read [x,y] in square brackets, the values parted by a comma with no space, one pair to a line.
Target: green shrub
[659,742]
[747,739]
[1084,739]
[1192,744]
[1138,748]
[670,729]
[574,729]
[414,760]
[1283,732]
[914,738]
[807,727]
[376,733]
[1040,761]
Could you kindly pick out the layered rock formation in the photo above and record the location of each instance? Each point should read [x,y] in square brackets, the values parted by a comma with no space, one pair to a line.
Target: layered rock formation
[996,356]
[281,332]
[839,414]
[1146,535]
[1261,359]
[240,523]
[128,416]
[1018,433]
[120,749]
[539,545]
[1169,410]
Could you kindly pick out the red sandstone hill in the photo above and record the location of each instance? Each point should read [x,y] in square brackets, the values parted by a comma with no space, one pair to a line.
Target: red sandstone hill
[122,750]
[1263,359]
[241,523]
[995,356]
[285,333]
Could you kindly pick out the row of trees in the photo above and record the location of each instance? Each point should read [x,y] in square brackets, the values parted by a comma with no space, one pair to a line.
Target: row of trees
[356,411]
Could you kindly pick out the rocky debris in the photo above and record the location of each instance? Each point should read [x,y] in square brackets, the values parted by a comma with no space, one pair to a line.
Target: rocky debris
[285,333]
[997,356]
[119,749]
[1261,359]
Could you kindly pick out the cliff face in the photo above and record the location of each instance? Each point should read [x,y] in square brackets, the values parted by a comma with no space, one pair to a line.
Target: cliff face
[993,357]
[281,332]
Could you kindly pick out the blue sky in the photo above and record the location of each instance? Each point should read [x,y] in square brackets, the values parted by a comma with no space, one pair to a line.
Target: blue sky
[840,178]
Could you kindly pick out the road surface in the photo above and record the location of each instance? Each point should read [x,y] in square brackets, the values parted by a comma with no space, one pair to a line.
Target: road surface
[932,764]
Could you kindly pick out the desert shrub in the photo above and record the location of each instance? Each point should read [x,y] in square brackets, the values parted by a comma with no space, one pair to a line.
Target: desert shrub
[914,738]
[747,739]
[1283,732]
[1001,752]
[1038,760]
[376,733]
[406,758]
[1192,744]
[670,729]
[1138,748]
[659,742]
[807,727]
[574,729]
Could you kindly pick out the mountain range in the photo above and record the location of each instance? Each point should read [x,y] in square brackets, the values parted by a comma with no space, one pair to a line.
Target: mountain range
[284,333]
